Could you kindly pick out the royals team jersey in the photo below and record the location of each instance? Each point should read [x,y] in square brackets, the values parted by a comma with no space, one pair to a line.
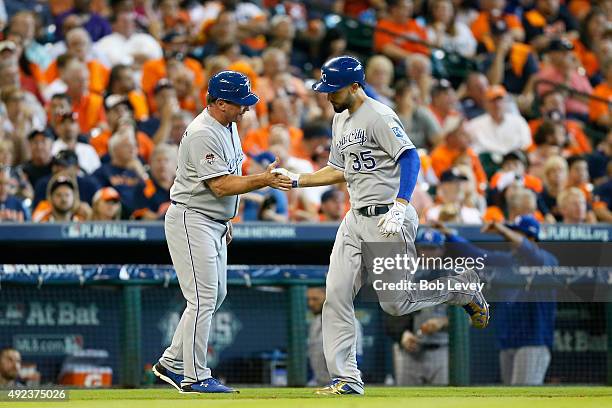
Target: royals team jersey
[366,146]
[207,150]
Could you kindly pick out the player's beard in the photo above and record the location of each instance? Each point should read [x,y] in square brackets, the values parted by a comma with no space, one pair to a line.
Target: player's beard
[346,104]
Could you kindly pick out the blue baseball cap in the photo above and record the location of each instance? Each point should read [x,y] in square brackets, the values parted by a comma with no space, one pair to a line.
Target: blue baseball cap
[527,224]
[431,237]
[232,86]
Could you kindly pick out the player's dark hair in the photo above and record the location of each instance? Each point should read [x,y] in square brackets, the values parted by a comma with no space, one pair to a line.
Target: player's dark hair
[210,99]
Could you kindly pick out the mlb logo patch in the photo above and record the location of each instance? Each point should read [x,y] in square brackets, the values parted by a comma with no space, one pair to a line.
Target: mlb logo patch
[210,158]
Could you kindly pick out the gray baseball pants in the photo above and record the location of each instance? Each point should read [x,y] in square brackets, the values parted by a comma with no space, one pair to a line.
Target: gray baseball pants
[345,279]
[199,254]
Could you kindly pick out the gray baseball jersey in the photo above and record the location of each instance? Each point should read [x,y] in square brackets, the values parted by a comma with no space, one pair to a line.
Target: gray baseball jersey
[208,149]
[366,146]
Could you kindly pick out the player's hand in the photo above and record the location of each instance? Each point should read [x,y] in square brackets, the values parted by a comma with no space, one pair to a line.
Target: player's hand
[276,180]
[434,325]
[295,178]
[409,342]
[392,221]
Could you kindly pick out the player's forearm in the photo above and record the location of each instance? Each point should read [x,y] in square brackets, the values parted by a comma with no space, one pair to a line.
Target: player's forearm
[230,185]
[323,177]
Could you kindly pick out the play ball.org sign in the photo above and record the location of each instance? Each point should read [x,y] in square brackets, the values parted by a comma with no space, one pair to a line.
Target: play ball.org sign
[48,344]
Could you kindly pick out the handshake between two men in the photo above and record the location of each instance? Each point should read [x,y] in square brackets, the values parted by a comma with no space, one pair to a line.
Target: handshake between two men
[283,179]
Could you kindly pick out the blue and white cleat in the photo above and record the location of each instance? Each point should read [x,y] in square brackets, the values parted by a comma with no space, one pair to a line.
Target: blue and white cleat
[168,376]
[337,387]
[209,385]
[478,309]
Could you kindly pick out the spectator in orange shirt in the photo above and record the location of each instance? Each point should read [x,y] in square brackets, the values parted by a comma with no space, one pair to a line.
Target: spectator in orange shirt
[175,47]
[78,43]
[491,11]
[282,112]
[89,106]
[592,30]
[393,33]
[548,20]
[275,62]
[513,170]
[183,81]
[121,82]
[63,202]
[599,112]
[578,176]
[172,16]
[121,113]
[552,107]
[454,148]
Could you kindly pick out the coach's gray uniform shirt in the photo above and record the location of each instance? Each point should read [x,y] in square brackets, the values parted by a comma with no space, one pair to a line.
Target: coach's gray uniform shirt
[366,146]
[208,149]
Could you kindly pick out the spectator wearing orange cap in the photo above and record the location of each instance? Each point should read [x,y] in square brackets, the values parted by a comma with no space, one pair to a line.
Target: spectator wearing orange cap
[121,82]
[548,20]
[121,113]
[89,106]
[493,11]
[106,205]
[561,69]
[497,131]
[509,62]
[552,108]
[393,33]
[599,111]
[151,198]
[456,147]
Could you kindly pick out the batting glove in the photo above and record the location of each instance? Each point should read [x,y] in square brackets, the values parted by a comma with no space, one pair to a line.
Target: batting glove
[393,220]
[295,178]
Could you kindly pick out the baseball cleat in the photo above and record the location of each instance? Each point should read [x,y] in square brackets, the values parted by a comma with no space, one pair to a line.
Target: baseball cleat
[337,387]
[478,309]
[168,376]
[209,385]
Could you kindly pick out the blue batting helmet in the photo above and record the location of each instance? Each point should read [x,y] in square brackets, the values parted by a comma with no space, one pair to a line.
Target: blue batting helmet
[233,87]
[431,237]
[340,72]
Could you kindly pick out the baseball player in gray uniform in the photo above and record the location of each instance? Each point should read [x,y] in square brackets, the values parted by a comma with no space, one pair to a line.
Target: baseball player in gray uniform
[197,225]
[372,153]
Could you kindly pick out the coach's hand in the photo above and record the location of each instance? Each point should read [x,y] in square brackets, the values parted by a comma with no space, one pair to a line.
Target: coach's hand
[277,180]
[295,178]
[392,221]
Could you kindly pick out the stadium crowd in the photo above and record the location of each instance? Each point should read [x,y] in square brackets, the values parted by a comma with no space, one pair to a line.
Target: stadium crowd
[507,101]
